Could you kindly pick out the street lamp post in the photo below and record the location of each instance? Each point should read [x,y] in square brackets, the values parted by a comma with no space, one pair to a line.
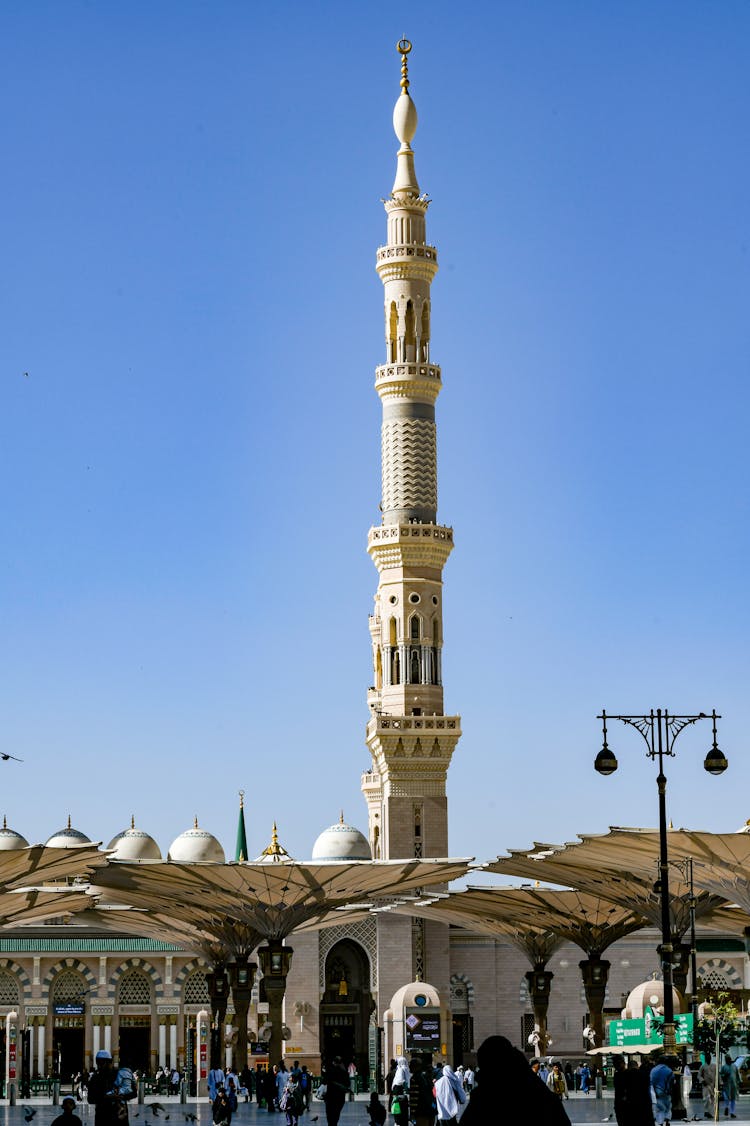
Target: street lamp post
[659,730]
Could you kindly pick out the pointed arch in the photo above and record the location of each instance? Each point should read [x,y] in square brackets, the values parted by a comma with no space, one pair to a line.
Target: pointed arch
[410,337]
[415,627]
[425,333]
[24,981]
[68,964]
[135,964]
[392,333]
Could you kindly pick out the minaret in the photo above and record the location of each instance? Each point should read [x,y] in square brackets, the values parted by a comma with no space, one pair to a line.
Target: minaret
[409,736]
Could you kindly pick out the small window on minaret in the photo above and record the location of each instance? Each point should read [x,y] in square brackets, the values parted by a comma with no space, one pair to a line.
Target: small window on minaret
[414,631]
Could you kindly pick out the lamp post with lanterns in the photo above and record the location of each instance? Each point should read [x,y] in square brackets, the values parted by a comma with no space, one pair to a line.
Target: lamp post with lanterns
[660,730]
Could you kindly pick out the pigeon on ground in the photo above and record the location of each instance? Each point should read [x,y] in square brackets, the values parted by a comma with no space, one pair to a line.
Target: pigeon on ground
[28,1112]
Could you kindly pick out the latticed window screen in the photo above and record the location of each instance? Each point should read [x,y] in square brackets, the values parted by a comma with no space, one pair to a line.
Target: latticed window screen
[135,988]
[195,990]
[527,1027]
[69,986]
[715,980]
[9,993]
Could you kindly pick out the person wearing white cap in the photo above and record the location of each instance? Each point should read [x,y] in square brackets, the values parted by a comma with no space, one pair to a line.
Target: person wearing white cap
[111,1108]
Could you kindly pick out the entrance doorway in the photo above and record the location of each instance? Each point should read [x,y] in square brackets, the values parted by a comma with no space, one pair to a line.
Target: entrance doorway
[462,1037]
[68,1048]
[346,1007]
[135,1046]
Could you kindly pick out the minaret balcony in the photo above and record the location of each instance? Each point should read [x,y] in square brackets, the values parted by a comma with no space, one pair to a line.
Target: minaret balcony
[408,381]
[409,545]
[406,260]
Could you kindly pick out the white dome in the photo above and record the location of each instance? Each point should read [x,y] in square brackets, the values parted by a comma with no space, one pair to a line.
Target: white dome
[417,994]
[196,846]
[68,838]
[134,844]
[649,994]
[9,838]
[341,842]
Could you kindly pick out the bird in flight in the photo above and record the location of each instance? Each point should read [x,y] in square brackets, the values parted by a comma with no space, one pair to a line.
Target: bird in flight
[5,756]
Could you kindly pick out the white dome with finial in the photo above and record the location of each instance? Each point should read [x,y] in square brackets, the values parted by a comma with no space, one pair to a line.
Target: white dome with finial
[196,846]
[68,837]
[9,838]
[341,842]
[134,844]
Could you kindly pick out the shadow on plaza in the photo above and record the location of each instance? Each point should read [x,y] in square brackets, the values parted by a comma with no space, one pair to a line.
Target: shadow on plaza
[581,1110]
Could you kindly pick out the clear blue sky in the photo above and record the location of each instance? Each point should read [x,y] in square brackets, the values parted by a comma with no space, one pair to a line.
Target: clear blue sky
[190,212]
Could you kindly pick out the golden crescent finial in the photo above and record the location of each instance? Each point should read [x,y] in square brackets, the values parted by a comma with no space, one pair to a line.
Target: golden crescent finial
[242,799]
[403,47]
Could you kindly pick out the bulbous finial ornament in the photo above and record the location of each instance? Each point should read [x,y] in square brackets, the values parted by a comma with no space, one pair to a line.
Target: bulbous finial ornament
[403,47]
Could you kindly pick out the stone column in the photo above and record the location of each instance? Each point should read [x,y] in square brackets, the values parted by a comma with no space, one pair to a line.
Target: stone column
[162,1042]
[173,1042]
[42,1062]
[96,1035]
[108,1033]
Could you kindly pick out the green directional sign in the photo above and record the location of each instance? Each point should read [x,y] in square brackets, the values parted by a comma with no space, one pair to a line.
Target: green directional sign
[647,1030]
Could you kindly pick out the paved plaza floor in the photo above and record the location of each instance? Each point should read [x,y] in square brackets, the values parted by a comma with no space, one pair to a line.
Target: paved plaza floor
[581,1110]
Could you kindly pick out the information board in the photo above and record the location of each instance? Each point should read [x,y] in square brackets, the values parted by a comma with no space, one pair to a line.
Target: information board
[422,1030]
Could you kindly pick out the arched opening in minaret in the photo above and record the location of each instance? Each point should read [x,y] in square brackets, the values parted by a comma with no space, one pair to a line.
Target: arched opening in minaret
[433,667]
[378,669]
[414,628]
[410,340]
[392,632]
[424,336]
[415,666]
[393,334]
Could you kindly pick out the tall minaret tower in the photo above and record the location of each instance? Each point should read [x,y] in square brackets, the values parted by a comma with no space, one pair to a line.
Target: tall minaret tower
[410,738]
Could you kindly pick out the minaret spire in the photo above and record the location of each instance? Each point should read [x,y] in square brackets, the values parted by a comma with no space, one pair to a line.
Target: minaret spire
[409,736]
[240,852]
[405,126]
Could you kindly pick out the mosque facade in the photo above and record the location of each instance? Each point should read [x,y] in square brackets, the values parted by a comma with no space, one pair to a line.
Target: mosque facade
[76,987]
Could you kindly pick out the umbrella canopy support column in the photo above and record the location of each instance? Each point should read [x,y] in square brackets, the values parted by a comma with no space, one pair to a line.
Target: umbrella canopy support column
[540,981]
[275,962]
[595,973]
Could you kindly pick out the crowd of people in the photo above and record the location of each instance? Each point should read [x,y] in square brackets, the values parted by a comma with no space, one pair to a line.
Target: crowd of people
[649,1093]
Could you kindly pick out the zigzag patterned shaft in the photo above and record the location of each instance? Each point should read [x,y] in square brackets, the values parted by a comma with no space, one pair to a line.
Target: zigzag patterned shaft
[409,453]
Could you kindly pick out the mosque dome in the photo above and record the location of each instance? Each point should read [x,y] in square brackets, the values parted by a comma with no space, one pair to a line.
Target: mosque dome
[415,995]
[649,994]
[196,846]
[68,838]
[9,838]
[341,842]
[134,844]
